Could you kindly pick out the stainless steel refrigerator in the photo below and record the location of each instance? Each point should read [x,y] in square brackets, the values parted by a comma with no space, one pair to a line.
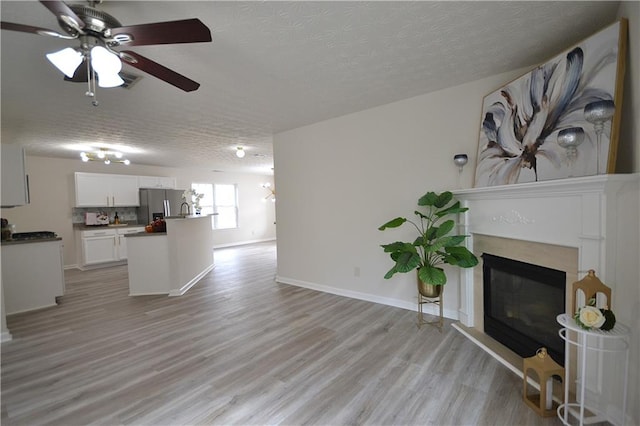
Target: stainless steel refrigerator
[158,203]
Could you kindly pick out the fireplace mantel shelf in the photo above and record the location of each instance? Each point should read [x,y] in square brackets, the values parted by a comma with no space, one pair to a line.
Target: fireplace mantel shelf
[600,183]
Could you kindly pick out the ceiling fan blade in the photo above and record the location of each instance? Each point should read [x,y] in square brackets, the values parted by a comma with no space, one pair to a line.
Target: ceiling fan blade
[63,12]
[81,75]
[159,71]
[30,29]
[184,31]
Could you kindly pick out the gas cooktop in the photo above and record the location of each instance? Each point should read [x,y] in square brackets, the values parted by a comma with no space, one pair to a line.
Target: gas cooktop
[38,235]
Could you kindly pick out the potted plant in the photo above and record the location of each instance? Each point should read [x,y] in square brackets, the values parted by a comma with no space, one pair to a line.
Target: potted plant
[434,246]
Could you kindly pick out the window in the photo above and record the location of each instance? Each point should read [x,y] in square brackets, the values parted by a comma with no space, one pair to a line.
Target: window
[221,199]
[225,200]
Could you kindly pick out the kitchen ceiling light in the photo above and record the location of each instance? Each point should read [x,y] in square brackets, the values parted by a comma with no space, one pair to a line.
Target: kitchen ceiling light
[240,152]
[105,156]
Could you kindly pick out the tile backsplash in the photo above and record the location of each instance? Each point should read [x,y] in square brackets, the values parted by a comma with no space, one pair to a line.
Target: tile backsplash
[126,214]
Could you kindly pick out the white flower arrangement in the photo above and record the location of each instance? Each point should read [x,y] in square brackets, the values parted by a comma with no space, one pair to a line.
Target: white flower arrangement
[191,197]
[590,317]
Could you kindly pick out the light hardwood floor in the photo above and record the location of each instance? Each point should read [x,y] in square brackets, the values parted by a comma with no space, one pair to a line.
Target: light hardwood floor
[241,349]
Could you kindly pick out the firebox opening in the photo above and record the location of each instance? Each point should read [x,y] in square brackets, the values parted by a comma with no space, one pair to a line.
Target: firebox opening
[521,303]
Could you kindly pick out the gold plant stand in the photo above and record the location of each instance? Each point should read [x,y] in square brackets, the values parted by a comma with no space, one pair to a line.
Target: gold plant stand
[422,300]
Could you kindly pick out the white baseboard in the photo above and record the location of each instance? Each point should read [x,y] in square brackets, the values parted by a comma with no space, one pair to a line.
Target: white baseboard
[242,243]
[101,265]
[398,303]
[37,308]
[5,336]
[182,290]
[74,266]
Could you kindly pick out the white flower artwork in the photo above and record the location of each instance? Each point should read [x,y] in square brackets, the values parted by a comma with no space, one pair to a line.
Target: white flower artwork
[557,121]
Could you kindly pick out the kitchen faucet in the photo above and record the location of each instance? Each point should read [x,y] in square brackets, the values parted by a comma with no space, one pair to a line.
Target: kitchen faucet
[188,208]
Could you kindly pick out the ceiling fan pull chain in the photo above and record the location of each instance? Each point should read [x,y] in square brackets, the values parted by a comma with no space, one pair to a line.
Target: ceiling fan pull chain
[91,82]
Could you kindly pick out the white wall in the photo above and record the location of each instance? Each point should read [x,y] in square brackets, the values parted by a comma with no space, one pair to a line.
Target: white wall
[53,195]
[340,179]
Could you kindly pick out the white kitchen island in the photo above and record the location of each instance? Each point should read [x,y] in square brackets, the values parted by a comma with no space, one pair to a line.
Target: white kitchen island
[172,262]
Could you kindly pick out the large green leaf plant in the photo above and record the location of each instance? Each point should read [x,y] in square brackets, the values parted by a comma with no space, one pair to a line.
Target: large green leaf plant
[433,246]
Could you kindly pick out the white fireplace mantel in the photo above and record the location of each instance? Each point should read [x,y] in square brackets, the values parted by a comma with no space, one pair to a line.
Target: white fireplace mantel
[596,216]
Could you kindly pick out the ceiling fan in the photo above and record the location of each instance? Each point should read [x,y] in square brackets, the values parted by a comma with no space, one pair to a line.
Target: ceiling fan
[100,33]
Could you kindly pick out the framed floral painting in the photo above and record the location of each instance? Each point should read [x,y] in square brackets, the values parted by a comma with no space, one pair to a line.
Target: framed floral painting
[562,119]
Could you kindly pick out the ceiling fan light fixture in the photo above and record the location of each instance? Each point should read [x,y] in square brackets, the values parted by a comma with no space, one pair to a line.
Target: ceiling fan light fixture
[107,65]
[66,60]
[109,80]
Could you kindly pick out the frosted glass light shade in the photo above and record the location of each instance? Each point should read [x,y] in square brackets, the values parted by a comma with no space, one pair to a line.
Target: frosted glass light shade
[66,60]
[109,80]
[107,65]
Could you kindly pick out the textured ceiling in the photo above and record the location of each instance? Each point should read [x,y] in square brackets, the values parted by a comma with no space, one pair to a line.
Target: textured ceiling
[272,66]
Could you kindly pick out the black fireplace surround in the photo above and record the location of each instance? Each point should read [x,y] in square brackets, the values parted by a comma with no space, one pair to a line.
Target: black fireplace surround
[521,303]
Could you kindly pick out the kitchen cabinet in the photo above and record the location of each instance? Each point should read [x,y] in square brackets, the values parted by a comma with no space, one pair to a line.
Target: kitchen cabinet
[161,182]
[32,274]
[15,182]
[99,246]
[105,246]
[106,190]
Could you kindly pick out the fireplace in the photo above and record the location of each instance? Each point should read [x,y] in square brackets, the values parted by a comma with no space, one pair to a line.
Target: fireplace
[521,303]
[571,225]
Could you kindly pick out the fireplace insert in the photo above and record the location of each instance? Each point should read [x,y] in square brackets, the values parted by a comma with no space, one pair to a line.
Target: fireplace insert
[521,303]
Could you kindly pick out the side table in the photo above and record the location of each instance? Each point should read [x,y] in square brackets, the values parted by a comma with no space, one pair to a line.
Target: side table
[612,341]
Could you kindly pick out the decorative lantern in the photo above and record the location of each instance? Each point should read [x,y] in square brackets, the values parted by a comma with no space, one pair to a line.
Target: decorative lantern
[546,368]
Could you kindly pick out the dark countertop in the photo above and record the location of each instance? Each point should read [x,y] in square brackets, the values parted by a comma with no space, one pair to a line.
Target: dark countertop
[38,240]
[83,227]
[145,234]
[191,216]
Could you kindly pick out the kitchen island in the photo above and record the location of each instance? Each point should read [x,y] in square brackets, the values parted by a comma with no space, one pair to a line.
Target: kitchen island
[170,262]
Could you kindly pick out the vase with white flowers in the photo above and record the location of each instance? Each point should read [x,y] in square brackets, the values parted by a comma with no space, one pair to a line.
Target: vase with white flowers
[192,198]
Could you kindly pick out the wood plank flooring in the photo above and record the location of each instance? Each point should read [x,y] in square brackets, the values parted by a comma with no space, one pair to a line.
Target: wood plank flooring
[241,349]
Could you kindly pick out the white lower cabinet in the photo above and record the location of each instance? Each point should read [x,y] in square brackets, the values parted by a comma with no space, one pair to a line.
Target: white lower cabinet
[105,245]
[32,275]
[99,246]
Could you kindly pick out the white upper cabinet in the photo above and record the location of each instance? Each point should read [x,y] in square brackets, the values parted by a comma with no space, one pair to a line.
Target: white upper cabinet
[124,191]
[15,184]
[105,190]
[157,182]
